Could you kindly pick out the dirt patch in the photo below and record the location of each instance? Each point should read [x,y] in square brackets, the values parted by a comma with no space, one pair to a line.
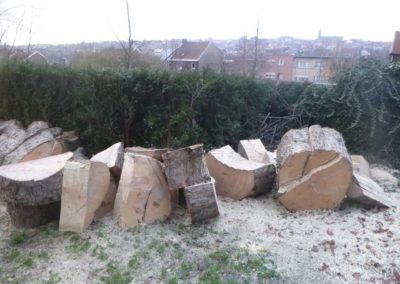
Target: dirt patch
[253,240]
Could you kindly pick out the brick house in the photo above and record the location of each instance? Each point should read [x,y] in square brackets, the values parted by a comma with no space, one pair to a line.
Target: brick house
[277,67]
[316,69]
[395,52]
[195,56]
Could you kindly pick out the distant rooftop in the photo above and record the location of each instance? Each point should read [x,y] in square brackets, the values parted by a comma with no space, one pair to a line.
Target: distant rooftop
[190,50]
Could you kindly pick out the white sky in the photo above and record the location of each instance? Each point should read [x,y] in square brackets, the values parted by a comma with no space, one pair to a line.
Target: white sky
[73,21]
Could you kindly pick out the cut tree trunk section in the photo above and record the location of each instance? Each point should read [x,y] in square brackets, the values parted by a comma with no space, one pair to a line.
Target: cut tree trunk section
[113,157]
[143,194]
[32,190]
[254,150]
[201,201]
[237,177]
[185,167]
[85,186]
[35,182]
[315,169]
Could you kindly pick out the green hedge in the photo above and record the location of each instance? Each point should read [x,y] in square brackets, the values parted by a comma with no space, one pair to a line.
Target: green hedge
[162,109]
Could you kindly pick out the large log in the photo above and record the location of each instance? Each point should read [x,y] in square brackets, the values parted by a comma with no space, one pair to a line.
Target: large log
[113,157]
[143,194]
[185,167]
[237,177]
[85,186]
[32,190]
[151,152]
[364,190]
[254,150]
[33,182]
[201,201]
[314,169]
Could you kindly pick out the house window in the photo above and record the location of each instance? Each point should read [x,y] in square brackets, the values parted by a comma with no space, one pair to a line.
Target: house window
[193,66]
[301,64]
[281,62]
[270,76]
[301,78]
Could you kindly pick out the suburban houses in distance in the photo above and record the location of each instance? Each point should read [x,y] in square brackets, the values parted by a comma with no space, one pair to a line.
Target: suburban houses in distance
[284,58]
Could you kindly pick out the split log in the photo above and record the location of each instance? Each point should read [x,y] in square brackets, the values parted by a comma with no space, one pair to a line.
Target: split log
[143,194]
[237,177]
[33,182]
[85,186]
[360,165]
[113,157]
[154,153]
[364,190]
[32,190]
[254,150]
[201,201]
[185,167]
[315,169]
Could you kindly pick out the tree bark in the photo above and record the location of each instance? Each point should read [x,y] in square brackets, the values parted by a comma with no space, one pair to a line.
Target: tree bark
[185,167]
[201,201]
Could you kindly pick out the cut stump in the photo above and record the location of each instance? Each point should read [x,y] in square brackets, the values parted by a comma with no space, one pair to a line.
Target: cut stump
[143,194]
[201,201]
[315,169]
[237,177]
[85,186]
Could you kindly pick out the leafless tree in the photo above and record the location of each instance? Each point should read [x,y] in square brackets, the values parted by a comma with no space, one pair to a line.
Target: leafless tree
[255,60]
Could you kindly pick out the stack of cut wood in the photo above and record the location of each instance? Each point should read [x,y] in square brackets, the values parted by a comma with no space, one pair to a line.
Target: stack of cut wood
[186,169]
[237,177]
[38,140]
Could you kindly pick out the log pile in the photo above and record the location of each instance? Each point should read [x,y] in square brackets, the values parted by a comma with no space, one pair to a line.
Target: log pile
[40,181]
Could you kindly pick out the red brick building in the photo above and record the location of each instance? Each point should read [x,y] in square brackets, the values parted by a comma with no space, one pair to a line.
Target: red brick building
[277,67]
[395,52]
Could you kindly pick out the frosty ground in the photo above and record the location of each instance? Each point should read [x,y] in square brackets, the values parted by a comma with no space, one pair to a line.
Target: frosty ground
[255,240]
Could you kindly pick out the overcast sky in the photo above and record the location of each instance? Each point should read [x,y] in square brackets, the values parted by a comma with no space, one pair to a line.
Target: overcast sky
[73,21]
